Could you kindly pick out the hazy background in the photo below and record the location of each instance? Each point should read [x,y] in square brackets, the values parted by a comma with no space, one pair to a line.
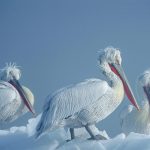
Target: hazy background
[56,42]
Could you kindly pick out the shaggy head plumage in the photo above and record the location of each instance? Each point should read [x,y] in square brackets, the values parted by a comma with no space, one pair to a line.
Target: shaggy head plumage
[10,71]
[109,55]
[144,78]
[143,81]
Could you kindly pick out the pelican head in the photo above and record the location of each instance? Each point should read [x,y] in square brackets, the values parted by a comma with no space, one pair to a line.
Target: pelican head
[110,61]
[144,83]
[11,73]
[109,56]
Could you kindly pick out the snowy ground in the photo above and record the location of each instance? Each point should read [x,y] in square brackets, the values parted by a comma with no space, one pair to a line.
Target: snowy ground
[22,138]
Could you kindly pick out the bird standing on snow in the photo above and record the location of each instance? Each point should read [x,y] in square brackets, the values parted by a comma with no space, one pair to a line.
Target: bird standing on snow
[138,121]
[15,100]
[88,102]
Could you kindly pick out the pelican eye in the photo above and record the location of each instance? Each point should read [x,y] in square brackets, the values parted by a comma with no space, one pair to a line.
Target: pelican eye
[12,74]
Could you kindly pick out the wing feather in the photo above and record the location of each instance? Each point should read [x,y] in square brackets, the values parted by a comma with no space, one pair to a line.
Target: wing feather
[7,93]
[70,100]
[8,103]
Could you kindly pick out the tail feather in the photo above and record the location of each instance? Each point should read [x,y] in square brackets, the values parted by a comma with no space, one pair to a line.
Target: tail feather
[46,122]
[42,125]
[39,129]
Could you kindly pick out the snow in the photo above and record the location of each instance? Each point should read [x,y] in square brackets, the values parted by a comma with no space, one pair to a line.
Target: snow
[22,137]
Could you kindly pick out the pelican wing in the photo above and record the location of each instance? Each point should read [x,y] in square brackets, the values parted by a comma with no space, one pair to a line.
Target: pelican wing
[136,121]
[8,103]
[7,93]
[70,100]
[125,113]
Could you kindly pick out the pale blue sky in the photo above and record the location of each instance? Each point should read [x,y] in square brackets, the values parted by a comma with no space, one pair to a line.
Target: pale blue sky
[56,42]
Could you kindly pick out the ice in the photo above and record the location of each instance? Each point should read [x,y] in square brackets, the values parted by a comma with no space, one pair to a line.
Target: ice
[22,137]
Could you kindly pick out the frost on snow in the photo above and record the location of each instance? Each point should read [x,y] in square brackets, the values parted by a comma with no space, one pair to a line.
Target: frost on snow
[17,138]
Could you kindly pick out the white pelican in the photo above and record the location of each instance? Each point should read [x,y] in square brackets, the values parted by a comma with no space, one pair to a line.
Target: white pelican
[138,121]
[88,102]
[14,98]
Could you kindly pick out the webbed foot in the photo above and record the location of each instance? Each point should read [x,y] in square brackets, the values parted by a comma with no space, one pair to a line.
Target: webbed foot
[97,137]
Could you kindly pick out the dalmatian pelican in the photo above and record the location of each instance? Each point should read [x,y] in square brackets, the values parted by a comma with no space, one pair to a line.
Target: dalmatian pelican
[15,99]
[138,121]
[86,103]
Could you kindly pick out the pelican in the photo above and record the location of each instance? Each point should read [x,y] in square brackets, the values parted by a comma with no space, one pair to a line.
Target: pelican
[88,102]
[138,121]
[15,100]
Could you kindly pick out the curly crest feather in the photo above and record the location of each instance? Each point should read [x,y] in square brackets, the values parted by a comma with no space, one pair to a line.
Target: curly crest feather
[9,71]
[110,54]
[144,79]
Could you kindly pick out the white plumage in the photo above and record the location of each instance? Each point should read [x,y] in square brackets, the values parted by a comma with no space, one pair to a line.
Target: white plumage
[86,103]
[11,104]
[138,121]
[75,98]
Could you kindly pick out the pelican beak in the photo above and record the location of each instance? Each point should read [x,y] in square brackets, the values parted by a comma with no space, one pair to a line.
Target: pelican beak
[118,70]
[147,92]
[20,90]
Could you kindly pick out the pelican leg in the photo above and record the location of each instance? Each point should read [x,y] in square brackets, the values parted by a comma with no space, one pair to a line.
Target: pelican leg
[72,133]
[94,137]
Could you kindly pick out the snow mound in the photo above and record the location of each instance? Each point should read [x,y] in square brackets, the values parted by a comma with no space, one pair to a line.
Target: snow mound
[17,138]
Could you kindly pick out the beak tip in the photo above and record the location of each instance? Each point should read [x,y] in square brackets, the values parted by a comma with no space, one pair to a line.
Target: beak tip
[34,113]
[137,107]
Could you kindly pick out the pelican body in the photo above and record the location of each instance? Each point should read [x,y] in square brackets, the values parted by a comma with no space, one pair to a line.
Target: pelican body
[88,102]
[15,100]
[138,121]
